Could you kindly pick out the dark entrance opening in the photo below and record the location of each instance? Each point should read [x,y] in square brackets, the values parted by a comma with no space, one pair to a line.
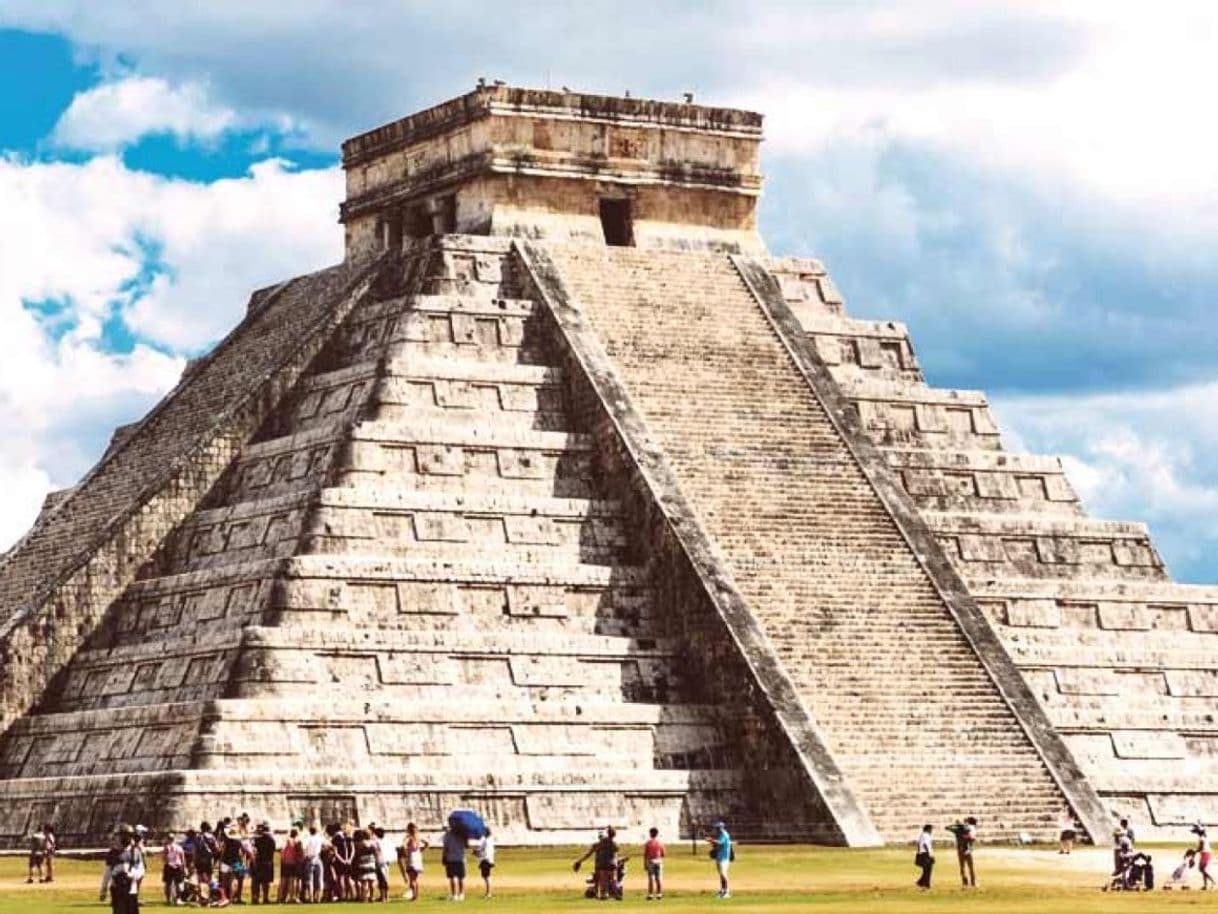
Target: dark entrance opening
[418,221]
[393,232]
[617,223]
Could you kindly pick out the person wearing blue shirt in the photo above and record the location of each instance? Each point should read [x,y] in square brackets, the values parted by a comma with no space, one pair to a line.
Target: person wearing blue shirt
[721,853]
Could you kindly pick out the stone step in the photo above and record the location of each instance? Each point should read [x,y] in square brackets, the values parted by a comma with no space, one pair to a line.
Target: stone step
[474,395]
[1094,591]
[900,413]
[1030,545]
[446,456]
[1128,649]
[377,521]
[995,482]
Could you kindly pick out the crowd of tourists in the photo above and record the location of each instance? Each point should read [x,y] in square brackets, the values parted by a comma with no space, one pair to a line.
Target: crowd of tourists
[234,863]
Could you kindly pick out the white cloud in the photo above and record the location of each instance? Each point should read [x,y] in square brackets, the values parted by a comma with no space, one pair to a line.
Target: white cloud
[119,112]
[77,236]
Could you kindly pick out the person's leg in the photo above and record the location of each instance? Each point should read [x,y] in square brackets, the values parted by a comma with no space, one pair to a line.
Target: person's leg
[972,872]
[961,858]
[660,880]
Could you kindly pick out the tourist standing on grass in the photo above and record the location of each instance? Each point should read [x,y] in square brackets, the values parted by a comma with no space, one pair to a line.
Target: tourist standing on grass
[604,857]
[1069,833]
[290,859]
[173,869]
[110,861]
[38,854]
[453,855]
[410,860]
[311,878]
[1204,856]
[382,862]
[52,846]
[653,863]
[484,850]
[965,834]
[723,854]
[925,856]
[262,867]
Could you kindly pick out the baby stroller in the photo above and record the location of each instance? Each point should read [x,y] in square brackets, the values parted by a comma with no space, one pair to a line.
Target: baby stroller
[617,887]
[1136,873]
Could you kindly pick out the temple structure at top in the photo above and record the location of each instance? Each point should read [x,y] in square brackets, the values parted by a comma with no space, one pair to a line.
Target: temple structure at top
[557,166]
[561,498]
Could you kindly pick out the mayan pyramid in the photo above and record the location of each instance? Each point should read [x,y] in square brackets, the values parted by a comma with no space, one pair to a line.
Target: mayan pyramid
[562,498]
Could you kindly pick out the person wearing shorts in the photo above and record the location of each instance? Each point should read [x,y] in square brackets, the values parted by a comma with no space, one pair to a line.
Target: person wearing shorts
[173,870]
[485,852]
[410,859]
[721,853]
[454,864]
[653,863]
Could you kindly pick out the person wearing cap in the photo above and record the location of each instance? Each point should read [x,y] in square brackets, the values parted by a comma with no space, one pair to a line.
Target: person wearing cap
[721,852]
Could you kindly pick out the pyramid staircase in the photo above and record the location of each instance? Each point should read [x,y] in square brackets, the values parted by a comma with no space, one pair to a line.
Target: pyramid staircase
[922,728]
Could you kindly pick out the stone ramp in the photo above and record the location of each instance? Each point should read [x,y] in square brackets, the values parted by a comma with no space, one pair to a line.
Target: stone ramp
[859,628]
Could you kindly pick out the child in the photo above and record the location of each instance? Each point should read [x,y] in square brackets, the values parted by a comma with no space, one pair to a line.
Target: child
[1179,876]
[484,850]
[653,863]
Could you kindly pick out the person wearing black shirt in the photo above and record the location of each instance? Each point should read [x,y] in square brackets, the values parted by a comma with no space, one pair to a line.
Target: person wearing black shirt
[262,873]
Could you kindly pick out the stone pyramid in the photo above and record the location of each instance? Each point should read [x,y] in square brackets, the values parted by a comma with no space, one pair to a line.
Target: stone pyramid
[561,498]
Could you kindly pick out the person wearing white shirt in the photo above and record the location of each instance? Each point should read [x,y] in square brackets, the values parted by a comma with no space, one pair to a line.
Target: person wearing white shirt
[925,857]
[484,850]
[312,870]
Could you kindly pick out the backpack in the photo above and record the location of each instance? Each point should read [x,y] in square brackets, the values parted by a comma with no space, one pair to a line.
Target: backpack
[205,851]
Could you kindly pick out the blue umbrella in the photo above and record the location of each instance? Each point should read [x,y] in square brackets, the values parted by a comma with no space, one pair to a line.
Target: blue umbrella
[466,823]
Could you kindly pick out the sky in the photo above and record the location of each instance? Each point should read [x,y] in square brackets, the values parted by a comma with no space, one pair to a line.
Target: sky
[1031,186]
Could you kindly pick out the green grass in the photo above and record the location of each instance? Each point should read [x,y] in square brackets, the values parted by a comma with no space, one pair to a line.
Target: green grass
[776,880]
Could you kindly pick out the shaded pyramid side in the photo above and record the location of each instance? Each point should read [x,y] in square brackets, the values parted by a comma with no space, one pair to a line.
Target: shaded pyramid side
[57,582]
[1120,657]
[918,722]
[416,588]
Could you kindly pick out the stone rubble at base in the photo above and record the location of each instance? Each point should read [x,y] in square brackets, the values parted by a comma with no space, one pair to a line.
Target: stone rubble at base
[497,515]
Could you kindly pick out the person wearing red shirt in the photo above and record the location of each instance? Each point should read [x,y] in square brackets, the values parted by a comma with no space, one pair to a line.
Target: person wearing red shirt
[653,862]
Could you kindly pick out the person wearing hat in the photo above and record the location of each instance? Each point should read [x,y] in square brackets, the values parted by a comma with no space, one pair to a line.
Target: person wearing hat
[722,853]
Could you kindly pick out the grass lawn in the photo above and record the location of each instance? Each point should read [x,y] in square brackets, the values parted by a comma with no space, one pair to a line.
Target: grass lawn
[770,879]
